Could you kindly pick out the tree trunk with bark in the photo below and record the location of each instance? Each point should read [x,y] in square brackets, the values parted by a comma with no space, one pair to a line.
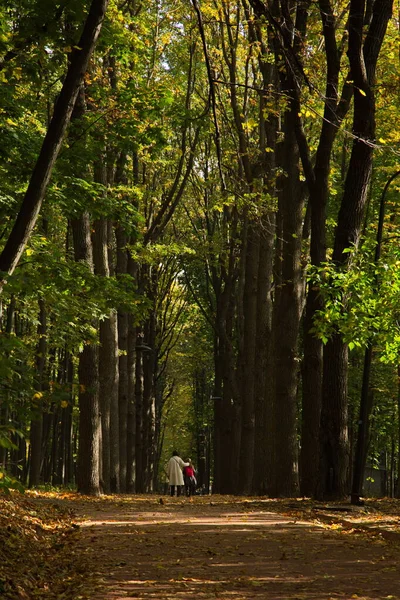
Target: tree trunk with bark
[264,363]
[263,366]
[123,391]
[225,394]
[286,25]
[149,408]
[286,318]
[108,367]
[139,411]
[36,432]
[121,238]
[318,184]
[131,469]
[88,466]
[248,360]
[363,56]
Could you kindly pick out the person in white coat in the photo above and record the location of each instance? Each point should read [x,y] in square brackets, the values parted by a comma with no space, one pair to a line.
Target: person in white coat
[175,473]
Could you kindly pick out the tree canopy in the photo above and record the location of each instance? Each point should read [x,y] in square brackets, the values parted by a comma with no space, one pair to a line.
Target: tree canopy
[199,244]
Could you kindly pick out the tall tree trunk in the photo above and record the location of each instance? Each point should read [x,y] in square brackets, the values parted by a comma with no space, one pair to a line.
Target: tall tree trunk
[225,393]
[201,403]
[363,58]
[99,239]
[4,407]
[66,468]
[55,417]
[121,269]
[334,453]
[311,398]
[108,368]
[88,467]
[287,24]
[132,270]
[131,416]
[218,418]
[131,474]
[139,411]
[264,362]
[149,416]
[114,403]
[286,319]
[37,422]
[123,391]
[263,391]
[69,450]
[248,373]
[318,184]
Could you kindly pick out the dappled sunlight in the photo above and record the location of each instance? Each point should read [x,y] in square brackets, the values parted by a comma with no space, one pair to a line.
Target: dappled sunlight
[136,547]
[232,548]
[226,520]
[277,587]
[238,549]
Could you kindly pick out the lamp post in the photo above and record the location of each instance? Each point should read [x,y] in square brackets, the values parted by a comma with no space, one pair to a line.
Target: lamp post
[366,400]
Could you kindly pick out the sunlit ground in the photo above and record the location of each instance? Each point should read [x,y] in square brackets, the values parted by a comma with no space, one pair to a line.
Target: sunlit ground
[152,547]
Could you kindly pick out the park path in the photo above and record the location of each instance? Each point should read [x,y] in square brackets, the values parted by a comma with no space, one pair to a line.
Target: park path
[154,548]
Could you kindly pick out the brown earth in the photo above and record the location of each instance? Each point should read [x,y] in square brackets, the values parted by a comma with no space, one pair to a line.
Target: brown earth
[227,548]
[240,549]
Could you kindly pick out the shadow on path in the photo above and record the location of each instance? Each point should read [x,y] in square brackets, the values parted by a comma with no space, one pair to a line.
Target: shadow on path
[205,551]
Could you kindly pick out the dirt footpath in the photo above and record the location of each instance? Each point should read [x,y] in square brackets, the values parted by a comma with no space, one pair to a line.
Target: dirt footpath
[150,548]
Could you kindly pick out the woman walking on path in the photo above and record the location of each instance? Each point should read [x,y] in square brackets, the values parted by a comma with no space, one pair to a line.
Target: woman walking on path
[175,473]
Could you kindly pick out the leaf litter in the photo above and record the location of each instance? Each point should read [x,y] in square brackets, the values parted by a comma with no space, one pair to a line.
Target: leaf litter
[69,547]
[38,557]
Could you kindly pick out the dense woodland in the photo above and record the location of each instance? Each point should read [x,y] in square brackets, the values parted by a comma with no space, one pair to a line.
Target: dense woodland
[199,244]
